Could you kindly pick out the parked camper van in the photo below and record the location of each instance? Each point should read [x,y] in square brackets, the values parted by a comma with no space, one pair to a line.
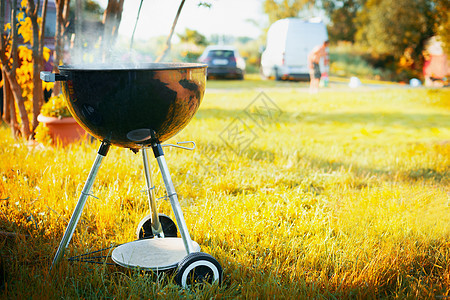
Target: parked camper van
[289,42]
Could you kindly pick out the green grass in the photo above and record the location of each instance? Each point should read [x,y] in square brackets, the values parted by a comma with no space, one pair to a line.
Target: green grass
[342,194]
[350,60]
[254,82]
[347,59]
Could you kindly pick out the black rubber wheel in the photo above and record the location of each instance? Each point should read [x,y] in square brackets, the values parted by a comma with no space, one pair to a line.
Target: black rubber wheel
[144,230]
[198,267]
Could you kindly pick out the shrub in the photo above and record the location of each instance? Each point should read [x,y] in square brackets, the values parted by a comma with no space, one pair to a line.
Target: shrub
[56,107]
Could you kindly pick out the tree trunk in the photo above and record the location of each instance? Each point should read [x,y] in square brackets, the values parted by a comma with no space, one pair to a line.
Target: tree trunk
[76,47]
[58,44]
[6,91]
[62,12]
[111,21]
[17,93]
[11,74]
[6,100]
[7,97]
[12,88]
[169,37]
[10,108]
[38,98]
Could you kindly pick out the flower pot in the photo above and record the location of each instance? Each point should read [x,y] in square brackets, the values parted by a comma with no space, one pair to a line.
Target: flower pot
[64,131]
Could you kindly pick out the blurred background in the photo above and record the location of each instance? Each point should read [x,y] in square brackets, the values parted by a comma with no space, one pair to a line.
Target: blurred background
[374,39]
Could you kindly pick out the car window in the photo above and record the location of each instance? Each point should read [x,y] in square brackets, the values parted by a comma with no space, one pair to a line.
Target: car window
[221,54]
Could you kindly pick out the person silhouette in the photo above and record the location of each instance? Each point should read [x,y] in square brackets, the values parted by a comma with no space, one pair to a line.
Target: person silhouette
[314,57]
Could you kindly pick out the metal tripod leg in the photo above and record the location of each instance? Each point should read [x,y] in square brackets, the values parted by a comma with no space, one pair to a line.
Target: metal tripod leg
[103,150]
[156,225]
[159,154]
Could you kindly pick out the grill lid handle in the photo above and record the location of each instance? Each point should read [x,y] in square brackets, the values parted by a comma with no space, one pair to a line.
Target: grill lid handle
[52,77]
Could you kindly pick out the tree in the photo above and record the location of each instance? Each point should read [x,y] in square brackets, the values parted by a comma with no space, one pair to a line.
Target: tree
[442,23]
[112,17]
[20,65]
[9,56]
[342,14]
[277,10]
[169,37]
[91,26]
[62,22]
[194,37]
[85,29]
[38,59]
[393,26]
[168,43]
[9,108]
[111,21]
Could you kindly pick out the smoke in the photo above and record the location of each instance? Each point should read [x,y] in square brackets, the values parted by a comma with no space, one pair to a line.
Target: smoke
[89,46]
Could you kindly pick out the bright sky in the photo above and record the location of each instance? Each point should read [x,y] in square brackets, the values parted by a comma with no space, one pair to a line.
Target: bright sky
[227,17]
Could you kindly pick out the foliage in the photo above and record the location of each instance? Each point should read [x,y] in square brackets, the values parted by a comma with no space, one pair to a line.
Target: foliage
[20,66]
[348,60]
[24,72]
[342,16]
[42,135]
[394,26]
[343,195]
[93,8]
[204,4]
[192,44]
[189,55]
[56,107]
[277,10]
[193,36]
[250,51]
[397,29]
[442,23]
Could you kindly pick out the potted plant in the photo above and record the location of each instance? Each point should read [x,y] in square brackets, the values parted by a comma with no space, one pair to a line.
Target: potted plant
[56,124]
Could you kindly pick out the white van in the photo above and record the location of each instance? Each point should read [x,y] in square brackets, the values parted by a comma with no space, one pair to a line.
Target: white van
[289,42]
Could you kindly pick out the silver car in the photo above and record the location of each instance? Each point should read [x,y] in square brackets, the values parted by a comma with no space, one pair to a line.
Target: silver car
[224,62]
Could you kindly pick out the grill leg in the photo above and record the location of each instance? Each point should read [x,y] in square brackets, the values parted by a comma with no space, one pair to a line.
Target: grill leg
[156,225]
[159,154]
[103,150]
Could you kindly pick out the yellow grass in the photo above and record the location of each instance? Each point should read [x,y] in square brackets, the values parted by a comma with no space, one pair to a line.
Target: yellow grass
[335,195]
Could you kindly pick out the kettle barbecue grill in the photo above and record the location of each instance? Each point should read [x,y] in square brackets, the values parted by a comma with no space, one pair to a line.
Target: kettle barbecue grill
[139,107]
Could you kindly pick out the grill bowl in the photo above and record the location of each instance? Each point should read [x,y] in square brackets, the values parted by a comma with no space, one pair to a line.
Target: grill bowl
[133,106]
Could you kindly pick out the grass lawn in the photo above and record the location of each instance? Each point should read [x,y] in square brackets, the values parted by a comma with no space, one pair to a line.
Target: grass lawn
[254,81]
[342,194]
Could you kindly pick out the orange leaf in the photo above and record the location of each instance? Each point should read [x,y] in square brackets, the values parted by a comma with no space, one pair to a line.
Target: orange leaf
[21,53]
[30,56]
[47,85]
[46,53]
